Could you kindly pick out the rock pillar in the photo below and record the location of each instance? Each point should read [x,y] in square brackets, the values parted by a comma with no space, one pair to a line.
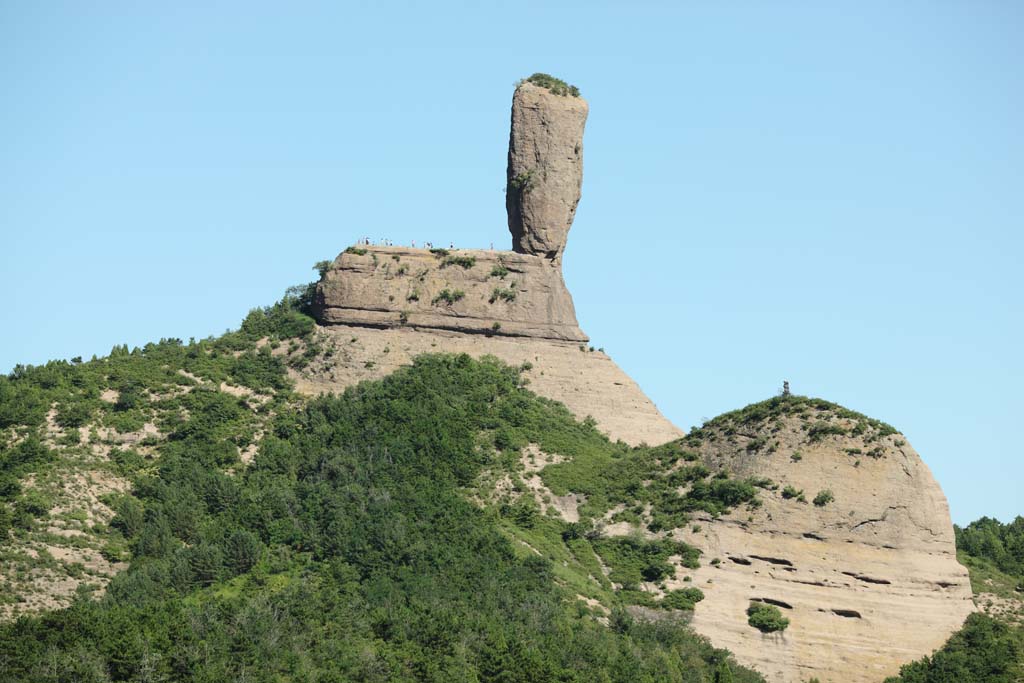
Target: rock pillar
[545,168]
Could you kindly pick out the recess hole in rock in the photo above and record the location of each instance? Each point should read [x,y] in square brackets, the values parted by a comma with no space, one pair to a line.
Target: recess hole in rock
[740,560]
[773,560]
[868,579]
[773,601]
[848,613]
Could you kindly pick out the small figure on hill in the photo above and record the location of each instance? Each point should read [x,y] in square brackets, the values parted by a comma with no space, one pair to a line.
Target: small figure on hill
[785,388]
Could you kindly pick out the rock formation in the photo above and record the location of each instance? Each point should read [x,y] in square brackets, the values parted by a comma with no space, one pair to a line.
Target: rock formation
[545,168]
[869,580]
[381,306]
[474,291]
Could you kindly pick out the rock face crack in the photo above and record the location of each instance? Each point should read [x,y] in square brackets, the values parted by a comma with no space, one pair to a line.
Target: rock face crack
[885,516]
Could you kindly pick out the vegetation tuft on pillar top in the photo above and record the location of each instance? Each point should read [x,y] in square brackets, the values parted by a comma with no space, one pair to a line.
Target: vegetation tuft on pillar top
[556,85]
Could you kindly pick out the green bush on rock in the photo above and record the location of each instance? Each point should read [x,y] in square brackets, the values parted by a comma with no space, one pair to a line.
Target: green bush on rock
[766,618]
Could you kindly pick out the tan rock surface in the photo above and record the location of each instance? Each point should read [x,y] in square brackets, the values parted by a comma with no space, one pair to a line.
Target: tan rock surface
[869,581]
[523,295]
[545,168]
[587,382]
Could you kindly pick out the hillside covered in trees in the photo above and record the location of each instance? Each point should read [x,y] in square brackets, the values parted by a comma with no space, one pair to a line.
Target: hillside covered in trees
[347,548]
[253,534]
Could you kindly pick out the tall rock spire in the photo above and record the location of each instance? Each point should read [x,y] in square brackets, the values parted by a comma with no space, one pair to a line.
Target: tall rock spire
[545,165]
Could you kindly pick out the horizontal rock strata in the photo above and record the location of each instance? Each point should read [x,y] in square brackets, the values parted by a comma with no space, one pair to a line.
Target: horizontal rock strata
[498,293]
[869,581]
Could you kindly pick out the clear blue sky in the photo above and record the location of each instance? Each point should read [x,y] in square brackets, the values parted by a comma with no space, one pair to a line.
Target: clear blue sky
[826,194]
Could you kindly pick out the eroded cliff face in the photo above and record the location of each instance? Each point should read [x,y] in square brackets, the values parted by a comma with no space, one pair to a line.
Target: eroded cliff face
[472,291]
[869,580]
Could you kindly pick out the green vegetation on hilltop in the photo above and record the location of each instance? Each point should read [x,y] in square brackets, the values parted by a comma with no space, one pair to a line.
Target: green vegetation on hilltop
[556,85]
[815,411]
[158,384]
[348,549]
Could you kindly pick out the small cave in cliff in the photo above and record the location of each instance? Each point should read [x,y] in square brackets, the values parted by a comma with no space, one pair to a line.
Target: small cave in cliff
[773,560]
[773,601]
[868,579]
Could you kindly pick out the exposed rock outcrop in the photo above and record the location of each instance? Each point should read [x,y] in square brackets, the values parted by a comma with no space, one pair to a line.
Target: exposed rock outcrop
[381,306]
[545,168]
[869,580]
[473,291]
[589,383]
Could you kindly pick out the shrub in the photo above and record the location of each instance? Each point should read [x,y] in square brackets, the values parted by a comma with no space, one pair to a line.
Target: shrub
[766,618]
[820,430]
[790,492]
[499,271]
[448,296]
[358,251]
[280,321]
[502,295]
[683,599]
[823,498]
[522,182]
[555,85]
[322,267]
[439,252]
[466,262]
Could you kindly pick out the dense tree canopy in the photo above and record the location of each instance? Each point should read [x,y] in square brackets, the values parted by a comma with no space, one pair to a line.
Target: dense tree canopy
[347,551]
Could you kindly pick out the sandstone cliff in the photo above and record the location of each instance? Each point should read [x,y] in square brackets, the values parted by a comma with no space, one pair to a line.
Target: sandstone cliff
[473,291]
[869,580]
